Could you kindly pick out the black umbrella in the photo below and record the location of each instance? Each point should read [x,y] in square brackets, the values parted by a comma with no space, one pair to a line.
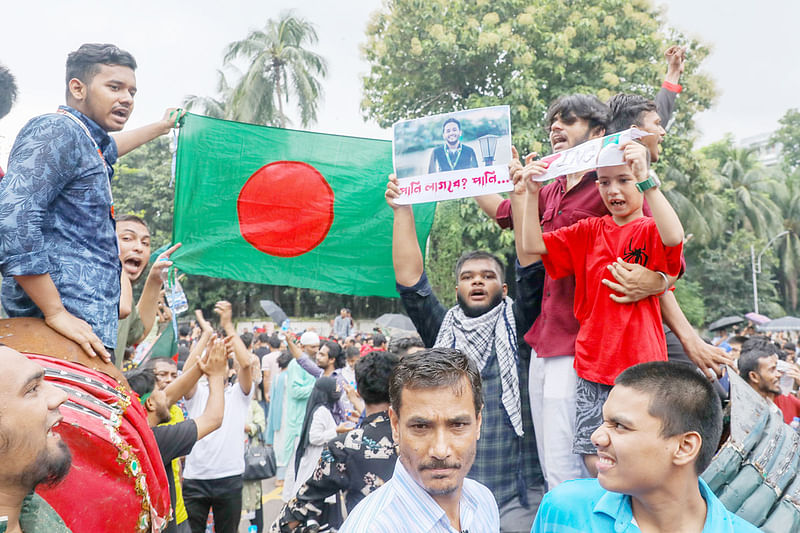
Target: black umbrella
[396,321]
[274,311]
[724,322]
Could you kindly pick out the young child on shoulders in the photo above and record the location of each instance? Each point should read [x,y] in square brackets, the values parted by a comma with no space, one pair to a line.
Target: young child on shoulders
[613,336]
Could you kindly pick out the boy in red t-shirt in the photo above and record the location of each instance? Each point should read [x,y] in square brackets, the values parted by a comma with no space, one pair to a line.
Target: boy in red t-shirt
[613,336]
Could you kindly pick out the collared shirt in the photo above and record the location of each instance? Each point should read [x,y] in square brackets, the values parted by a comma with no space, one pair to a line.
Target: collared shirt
[583,505]
[402,504]
[556,329]
[357,462]
[56,218]
[341,326]
[507,464]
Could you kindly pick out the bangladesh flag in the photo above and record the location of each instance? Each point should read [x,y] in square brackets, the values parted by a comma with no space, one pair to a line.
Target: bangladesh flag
[286,207]
[165,346]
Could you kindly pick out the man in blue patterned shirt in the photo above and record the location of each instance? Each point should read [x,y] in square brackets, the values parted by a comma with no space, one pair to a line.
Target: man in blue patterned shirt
[58,246]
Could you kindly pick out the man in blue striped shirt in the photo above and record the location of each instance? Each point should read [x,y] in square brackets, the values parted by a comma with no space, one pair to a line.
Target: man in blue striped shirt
[435,412]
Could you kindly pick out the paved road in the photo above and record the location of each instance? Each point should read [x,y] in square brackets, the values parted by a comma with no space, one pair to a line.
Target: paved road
[272,505]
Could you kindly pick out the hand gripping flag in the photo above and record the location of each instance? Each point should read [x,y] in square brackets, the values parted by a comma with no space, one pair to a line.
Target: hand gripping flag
[285,207]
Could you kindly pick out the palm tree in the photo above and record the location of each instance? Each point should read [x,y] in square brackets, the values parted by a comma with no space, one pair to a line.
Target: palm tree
[751,188]
[209,106]
[702,212]
[788,201]
[279,68]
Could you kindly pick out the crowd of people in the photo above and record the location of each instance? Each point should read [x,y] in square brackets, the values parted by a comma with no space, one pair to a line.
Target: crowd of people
[585,403]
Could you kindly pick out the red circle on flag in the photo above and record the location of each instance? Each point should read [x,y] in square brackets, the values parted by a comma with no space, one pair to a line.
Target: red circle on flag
[285,208]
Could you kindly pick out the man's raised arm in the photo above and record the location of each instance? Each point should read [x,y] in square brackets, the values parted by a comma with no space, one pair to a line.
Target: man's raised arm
[215,368]
[148,301]
[665,99]
[243,355]
[406,255]
[128,141]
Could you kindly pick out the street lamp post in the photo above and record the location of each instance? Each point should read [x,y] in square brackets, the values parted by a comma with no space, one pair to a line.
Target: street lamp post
[756,265]
[488,144]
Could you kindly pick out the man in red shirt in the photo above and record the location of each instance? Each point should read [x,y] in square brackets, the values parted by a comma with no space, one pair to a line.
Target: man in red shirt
[573,120]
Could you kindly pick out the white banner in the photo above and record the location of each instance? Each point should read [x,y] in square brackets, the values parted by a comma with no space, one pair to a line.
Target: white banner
[584,156]
[454,184]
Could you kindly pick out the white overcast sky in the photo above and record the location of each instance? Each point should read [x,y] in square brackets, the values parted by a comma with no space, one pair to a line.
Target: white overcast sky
[178,45]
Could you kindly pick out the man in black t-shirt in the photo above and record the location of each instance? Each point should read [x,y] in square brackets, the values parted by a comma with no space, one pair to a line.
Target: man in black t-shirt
[178,440]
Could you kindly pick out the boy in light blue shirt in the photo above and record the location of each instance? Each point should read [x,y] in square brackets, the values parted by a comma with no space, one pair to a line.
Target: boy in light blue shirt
[661,425]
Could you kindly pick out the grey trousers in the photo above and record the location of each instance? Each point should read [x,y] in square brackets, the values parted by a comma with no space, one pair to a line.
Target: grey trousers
[514,518]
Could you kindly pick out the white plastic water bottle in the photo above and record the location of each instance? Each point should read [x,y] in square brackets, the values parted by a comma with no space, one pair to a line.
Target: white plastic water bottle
[795,423]
[176,298]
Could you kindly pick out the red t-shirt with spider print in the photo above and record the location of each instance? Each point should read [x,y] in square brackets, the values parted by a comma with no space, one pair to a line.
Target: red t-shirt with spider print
[612,336]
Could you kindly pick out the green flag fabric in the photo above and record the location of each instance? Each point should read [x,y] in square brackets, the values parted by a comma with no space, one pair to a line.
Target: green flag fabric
[164,346]
[285,207]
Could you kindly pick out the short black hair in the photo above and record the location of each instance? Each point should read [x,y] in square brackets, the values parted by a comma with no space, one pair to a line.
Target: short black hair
[432,369]
[335,352]
[184,330]
[141,380]
[753,350]
[378,339]
[737,339]
[480,254]
[130,217]
[274,342]
[8,91]
[572,107]
[451,120]
[284,359]
[85,62]
[682,399]
[628,110]
[151,363]
[247,339]
[373,372]
[400,345]
[789,346]
[351,351]
[263,338]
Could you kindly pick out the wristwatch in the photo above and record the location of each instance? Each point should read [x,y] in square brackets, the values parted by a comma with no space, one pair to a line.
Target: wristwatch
[649,183]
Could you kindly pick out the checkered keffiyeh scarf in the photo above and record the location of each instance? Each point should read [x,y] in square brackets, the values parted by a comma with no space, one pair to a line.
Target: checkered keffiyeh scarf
[474,337]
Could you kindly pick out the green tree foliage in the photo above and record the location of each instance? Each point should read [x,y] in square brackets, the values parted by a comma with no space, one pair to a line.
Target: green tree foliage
[788,135]
[280,69]
[689,296]
[218,107]
[141,187]
[437,56]
[725,276]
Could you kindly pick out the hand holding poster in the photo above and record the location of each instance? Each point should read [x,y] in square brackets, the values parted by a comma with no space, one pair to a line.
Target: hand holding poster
[453,155]
[584,156]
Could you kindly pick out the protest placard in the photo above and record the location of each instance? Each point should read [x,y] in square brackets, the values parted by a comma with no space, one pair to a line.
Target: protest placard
[453,155]
[584,156]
